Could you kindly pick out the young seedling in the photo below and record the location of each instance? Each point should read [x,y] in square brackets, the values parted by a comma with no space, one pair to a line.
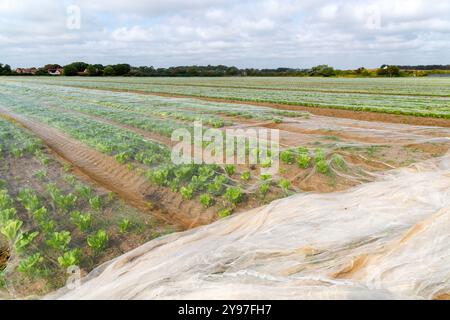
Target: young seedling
[246,176]
[96,203]
[2,279]
[264,189]
[224,213]
[285,185]
[124,225]
[83,222]
[266,177]
[30,265]
[59,240]
[122,157]
[322,167]
[48,226]
[206,200]
[187,192]
[319,155]
[30,200]
[40,214]
[42,157]
[339,162]
[278,120]
[41,175]
[198,183]
[7,215]
[287,157]
[98,241]
[230,169]
[304,160]
[217,187]
[10,229]
[111,196]
[24,240]
[17,153]
[67,167]
[70,258]
[84,191]
[71,180]
[234,195]
[66,203]
[5,200]
[159,177]
[61,201]
[266,163]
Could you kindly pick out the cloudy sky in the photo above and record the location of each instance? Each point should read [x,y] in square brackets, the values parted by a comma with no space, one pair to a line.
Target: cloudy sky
[245,33]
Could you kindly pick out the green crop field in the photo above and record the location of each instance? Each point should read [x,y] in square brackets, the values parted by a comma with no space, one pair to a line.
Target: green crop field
[425,97]
[58,210]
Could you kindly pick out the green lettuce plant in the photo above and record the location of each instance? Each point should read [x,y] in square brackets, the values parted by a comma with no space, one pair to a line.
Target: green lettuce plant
[10,229]
[59,240]
[31,264]
[70,258]
[206,200]
[234,195]
[98,241]
[124,225]
[96,203]
[24,240]
[7,214]
[82,221]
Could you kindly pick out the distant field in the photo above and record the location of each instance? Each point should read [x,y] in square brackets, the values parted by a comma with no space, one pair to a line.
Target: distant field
[424,97]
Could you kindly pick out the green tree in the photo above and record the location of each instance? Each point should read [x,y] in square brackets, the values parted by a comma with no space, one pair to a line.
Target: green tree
[108,71]
[92,71]
[121,69]
[323,70]
[80,66]
[6,70]
[388,71]
[70,71]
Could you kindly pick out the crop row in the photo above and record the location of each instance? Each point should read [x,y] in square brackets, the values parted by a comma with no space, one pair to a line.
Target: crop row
[225,187]
[182,109]
[396,104]
[401,86]
[34,225]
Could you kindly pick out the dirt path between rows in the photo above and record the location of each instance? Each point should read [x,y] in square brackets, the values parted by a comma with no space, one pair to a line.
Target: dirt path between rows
[108,173]
[320,111]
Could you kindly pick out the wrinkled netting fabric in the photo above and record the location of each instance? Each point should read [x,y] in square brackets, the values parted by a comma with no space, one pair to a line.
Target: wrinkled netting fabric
[386,239]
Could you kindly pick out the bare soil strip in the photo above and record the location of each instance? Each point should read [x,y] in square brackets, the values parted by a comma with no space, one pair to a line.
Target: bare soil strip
[113,176]
[320,111]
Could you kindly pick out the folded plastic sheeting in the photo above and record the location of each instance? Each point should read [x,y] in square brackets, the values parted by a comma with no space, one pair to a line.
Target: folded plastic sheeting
[382,240]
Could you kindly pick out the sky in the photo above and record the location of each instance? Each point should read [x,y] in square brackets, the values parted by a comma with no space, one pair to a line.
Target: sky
[244,33]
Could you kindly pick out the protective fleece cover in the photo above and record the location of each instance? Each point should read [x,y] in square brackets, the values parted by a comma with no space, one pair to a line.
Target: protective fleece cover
[383,240]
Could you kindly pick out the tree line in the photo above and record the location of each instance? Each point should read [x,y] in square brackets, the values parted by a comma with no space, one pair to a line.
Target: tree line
[124,69]
[5,70]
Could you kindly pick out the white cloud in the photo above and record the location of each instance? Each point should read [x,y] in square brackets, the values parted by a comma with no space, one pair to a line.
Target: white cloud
[255,33]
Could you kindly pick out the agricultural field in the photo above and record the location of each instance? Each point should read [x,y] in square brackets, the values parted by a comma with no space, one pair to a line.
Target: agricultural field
[87,174]
[52,218]
[424,97]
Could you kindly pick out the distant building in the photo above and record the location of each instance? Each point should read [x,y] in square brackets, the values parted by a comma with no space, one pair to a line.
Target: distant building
[26,70]
[56,72]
